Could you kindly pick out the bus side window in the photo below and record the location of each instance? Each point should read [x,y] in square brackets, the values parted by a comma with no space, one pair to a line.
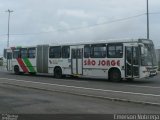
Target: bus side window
[87,51]
[65,52]
[9,55]
[98,51]
[31,52]
[115,51]
[16,54]
[55,52]
[74,54]
[24,53]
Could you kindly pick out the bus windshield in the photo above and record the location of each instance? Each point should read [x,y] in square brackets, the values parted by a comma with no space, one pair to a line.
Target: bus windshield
[149,56]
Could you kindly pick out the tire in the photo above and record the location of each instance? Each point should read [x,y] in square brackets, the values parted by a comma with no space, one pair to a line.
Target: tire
[130,79]
[115,75]
[57,72]
[32,73]
[16,70]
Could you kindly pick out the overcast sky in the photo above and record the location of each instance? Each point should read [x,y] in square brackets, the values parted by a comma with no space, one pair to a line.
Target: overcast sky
[55,21]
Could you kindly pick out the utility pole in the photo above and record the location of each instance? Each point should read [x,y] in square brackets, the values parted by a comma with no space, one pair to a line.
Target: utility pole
[9,12]
[147,21]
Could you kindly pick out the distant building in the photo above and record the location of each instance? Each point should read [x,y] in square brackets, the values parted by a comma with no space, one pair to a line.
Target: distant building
[1,61]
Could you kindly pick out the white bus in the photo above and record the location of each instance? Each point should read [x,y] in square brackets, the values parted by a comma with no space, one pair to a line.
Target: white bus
[111,59]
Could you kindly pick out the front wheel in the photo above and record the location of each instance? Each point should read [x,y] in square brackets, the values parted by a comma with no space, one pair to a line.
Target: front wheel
[130,79]
[58,72]
[115,75]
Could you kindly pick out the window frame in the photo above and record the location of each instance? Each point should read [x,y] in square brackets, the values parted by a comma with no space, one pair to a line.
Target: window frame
[32,53]
[26,54]
[93,52]
[115,50]
[18,55]
[65,54]
[51,47]
[87,54]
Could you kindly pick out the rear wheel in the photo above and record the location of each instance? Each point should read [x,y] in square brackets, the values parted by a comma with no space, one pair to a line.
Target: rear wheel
[115,75]
[16,70]
[57,72]
[32,73]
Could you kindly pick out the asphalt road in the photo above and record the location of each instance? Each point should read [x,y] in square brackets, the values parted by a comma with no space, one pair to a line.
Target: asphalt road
[45,94]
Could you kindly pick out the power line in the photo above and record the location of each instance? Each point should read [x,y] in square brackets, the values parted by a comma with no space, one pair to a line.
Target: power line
[107,22]
[154,13]
[3,34]
[89,26]
[1,11]
[77,28]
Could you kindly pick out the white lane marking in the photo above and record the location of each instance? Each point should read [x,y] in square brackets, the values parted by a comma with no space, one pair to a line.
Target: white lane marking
[144,86]
[76,87]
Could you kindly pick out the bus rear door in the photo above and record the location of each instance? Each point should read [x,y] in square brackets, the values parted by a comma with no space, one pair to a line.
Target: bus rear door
[77,61]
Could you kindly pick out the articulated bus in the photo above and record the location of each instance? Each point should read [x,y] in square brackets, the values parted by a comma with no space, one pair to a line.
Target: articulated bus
[110,59]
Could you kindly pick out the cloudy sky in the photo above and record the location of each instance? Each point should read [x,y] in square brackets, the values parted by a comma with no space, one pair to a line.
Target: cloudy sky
[56,21]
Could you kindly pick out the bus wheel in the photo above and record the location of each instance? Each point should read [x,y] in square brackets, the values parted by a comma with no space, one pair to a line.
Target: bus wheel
[115,75]
[16,70]
[32,73]
[130,79]
[57,72]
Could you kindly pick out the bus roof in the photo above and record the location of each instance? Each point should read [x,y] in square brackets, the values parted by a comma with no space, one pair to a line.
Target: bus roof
[125,40]
[100,42]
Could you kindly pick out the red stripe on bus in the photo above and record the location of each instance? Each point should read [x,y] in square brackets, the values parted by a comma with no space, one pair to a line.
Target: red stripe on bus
[20,62]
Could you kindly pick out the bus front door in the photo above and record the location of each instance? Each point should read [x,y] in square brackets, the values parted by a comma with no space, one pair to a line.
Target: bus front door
[77,61]
[132,61]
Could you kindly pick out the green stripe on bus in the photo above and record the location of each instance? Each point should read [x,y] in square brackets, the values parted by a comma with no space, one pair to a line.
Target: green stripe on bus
[29,65]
